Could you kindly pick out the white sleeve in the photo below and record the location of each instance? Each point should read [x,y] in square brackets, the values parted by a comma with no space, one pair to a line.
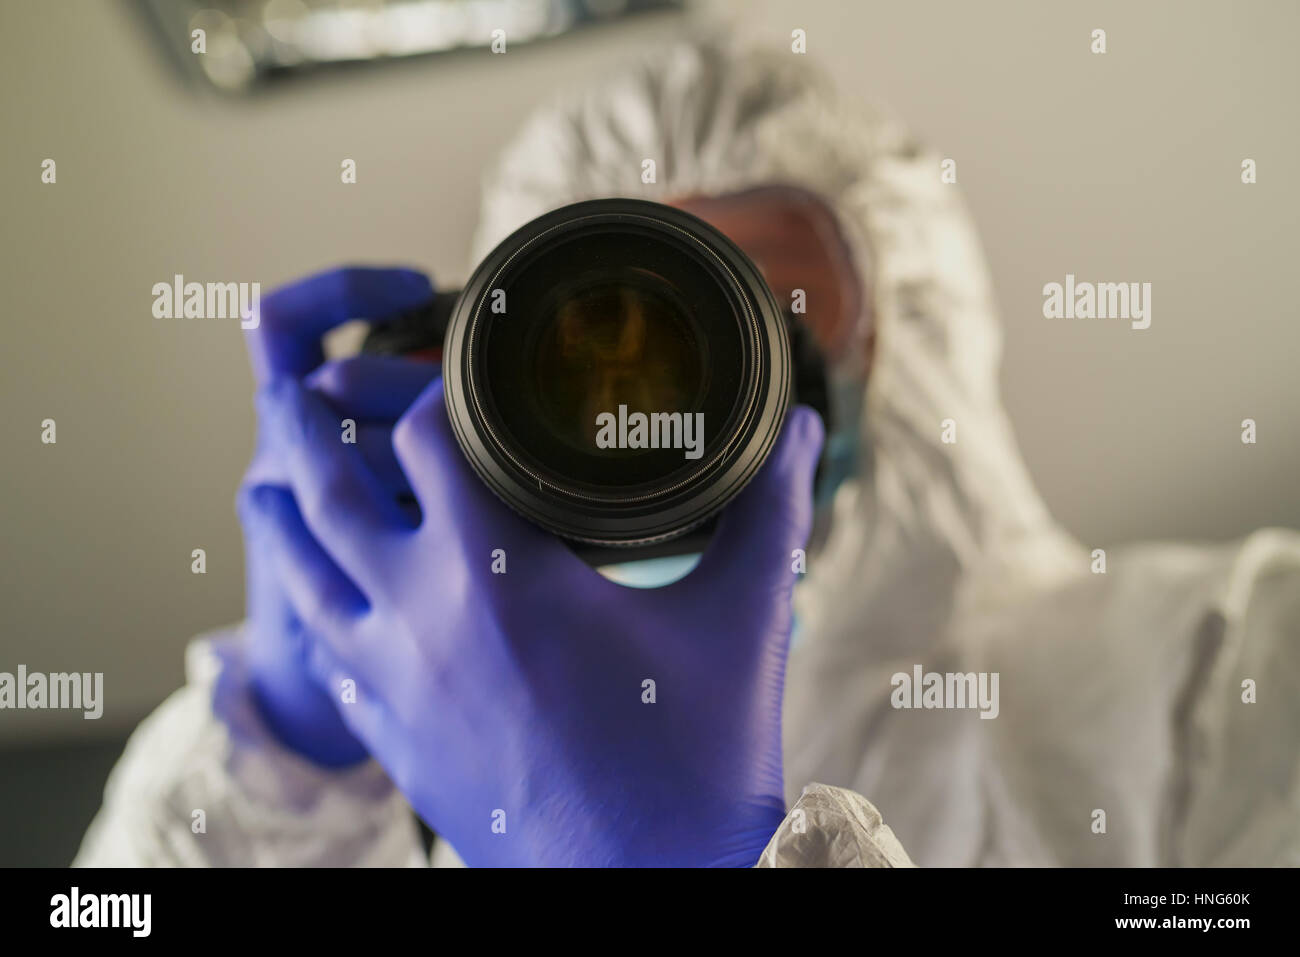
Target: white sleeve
[205,749]
[833,827]
[1236,800]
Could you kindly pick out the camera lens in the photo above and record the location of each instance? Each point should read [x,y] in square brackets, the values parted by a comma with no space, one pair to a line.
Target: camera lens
[616,371]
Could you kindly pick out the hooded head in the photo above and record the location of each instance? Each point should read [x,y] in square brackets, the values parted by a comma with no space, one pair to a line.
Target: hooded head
[940,487]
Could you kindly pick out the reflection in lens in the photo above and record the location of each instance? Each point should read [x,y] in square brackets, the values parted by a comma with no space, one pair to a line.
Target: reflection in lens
[612,344]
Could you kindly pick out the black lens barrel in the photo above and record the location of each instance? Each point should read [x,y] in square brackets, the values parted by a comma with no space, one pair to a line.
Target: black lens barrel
[499,361]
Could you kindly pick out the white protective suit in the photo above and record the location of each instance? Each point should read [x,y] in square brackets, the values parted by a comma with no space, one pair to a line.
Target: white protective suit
[1119,692]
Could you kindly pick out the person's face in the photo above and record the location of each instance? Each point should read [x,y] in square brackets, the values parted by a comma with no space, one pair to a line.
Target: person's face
[793,238]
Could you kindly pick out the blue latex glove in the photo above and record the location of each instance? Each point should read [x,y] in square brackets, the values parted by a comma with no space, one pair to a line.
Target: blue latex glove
[374,392]
[518,700]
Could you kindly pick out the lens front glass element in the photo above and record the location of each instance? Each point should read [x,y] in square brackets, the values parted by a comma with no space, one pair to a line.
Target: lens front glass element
[615,341]
[604,330]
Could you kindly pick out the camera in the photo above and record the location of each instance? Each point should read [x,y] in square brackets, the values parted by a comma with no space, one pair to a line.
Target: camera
[616,371]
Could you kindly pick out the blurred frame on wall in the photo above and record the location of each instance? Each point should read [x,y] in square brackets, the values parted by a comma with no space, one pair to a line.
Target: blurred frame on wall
[249,44]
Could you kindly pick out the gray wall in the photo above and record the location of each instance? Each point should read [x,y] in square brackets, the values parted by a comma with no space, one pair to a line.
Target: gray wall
[1115,167]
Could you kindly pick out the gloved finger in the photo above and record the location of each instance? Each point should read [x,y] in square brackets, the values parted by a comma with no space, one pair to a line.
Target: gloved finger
[322,597]
[373,391]
[369,718]
[444,482]
[329,605]
[452,499]
[340,499]
[360,708]
[372,387]
[449,490]
[376,446]
[286,340]
[757,534]
[375,443]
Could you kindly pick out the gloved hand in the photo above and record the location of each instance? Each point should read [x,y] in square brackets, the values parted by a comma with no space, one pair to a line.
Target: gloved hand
[372,391]
[515,710]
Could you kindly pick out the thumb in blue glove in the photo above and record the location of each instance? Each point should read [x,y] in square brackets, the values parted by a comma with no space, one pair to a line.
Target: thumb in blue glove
[545,715]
